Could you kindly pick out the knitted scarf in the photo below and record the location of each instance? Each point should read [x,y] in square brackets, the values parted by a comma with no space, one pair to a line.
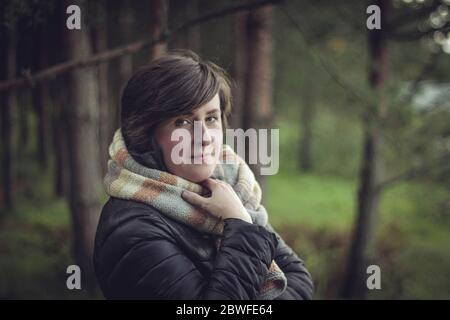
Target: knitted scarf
[128,179]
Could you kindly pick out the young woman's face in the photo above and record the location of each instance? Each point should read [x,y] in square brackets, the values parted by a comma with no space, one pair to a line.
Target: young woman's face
[206,146]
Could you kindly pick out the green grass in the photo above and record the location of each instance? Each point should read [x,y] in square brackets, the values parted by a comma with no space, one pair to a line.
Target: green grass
[314,200]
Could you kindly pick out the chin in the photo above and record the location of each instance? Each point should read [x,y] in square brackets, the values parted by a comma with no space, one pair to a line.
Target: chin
[197,173]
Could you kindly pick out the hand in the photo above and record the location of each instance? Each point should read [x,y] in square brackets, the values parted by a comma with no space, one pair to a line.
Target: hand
[223,203]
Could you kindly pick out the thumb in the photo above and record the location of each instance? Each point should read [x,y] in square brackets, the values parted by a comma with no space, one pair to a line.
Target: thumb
[194,199]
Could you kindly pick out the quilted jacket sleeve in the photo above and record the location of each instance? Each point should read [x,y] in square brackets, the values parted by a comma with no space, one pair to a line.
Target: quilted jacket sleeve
[140,259]
[300,285]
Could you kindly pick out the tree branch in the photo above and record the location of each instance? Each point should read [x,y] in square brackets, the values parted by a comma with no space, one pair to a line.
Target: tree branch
[425,71]
[351,91]
[59,69]
[415,35]
[441,163]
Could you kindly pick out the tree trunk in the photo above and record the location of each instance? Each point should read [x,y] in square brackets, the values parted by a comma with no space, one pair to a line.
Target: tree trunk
[257,112]
[85,178]
[60,99]
[190,38]
[101,41]
[22,104]
[193,34]
[41,100]
[306,120]
[9,110]
[60,137]
[371,168]
[158,25]
[126,21]
[239,68]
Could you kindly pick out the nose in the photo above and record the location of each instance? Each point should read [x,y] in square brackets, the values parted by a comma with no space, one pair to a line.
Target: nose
[206,137]
[202,138]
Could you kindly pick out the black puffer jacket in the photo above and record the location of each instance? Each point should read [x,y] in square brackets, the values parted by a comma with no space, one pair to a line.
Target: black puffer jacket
[143,254]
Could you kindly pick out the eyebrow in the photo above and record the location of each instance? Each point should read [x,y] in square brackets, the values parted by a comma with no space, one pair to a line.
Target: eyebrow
[190,113]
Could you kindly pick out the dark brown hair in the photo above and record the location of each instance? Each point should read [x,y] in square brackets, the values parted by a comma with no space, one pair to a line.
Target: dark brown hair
[172,85]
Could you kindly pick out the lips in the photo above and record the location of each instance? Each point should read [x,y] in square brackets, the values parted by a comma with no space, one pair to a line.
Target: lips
[202,156]
[201,159]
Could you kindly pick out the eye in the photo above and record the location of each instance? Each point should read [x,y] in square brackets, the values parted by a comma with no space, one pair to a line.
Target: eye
[212,119]
[181,122]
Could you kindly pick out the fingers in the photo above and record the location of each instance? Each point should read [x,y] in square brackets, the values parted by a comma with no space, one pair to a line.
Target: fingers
[195,199]
[214,184]
[211,184]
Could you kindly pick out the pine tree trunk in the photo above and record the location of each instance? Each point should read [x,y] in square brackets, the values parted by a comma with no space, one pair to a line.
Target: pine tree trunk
[60,138]
[101,42]
[239,68]
[41,101]
[60,99]
[158,20]
[22,104]
[193,34]
[257,112]
[190,38]
[371,168]
[9,118]
[85,177]
[126,20]
[306,139]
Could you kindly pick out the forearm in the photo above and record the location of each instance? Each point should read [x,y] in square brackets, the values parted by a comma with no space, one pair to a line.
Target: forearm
[242,261]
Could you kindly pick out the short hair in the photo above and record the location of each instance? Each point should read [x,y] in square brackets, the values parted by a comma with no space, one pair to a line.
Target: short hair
[171,85]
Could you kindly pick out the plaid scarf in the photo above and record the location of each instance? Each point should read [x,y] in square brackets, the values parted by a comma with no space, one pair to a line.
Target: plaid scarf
[128,179]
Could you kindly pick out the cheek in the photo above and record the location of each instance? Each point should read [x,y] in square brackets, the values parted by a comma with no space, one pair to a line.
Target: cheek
[218,137]
[165,143]
[168,147]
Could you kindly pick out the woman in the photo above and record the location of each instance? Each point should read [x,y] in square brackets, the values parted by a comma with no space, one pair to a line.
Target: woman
[189,229]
